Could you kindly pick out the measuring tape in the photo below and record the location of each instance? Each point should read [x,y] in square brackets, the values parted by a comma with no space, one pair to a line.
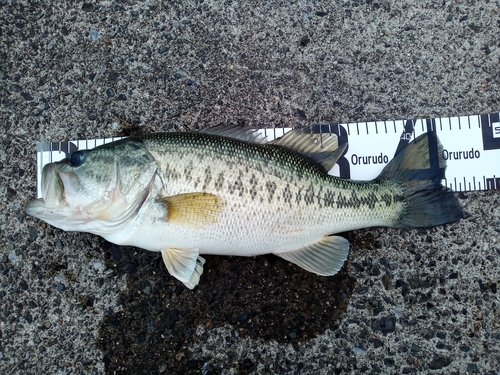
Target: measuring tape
[471,148]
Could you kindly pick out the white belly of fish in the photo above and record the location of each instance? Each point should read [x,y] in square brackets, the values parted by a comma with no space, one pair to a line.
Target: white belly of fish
[263,231]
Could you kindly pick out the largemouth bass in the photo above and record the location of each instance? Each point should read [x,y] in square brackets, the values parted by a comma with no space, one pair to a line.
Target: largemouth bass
[224,191]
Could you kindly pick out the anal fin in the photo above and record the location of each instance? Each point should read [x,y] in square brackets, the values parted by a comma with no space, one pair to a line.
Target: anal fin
[324,258]
[184,264]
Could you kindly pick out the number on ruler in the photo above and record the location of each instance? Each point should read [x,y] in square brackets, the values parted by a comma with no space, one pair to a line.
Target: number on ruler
[490,125]
[495,127]
[406,136]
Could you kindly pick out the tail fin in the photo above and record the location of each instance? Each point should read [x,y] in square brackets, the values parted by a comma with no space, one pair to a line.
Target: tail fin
[420,167]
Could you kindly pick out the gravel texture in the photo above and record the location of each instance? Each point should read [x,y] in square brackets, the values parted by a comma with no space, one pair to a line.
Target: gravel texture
[406,302]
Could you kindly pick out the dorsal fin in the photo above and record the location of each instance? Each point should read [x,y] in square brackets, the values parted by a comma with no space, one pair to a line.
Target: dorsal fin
[322,148]
[236,132]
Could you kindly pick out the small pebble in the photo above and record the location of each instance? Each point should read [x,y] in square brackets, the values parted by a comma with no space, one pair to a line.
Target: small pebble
[415,348]
[162,367]
[389,362]
[357,350]
[439,362]
[472,368]
[117,253]
[243,317]
[248,364]
[94,34]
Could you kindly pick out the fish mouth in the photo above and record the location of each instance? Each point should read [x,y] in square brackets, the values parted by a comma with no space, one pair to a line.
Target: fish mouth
[61,207]
[53,193]
[52,187]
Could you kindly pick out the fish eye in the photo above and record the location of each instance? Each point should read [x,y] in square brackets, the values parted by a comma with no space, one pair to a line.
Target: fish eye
[76,158]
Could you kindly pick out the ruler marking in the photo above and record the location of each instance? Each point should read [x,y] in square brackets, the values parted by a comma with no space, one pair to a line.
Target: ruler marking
[460,174]
[493,183]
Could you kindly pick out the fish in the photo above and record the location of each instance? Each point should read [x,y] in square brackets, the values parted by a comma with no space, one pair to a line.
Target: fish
[226,191]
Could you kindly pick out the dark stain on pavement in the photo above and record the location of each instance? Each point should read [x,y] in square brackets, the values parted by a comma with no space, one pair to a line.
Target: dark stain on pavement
[262,298]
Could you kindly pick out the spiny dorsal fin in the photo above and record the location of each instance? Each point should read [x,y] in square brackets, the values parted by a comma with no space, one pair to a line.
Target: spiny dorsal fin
[324,258]
[236,132]
[193,209]
[322,148]
[184,264]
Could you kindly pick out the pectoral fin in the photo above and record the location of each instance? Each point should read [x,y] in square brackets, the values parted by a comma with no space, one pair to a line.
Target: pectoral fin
[324,258]
[194,209]
[184,264]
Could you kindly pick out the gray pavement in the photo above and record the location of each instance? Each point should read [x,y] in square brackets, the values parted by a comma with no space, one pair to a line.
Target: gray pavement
[406,302]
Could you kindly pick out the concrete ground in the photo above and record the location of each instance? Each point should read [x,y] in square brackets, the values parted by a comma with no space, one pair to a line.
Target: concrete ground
[406,302]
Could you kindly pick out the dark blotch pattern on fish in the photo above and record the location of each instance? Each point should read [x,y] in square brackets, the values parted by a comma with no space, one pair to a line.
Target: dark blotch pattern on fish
[219,183]
[208,178]
[387,198]
[237,185]
[271,189]
[253,187]
[240,185]
[171,174]
[371,200]
[309,195]
[329,198]
[287,194]
[352,202]
[298,197]
[187,172]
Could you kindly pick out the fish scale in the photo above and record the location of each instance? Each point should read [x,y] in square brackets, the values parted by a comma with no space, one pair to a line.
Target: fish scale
[260,181]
